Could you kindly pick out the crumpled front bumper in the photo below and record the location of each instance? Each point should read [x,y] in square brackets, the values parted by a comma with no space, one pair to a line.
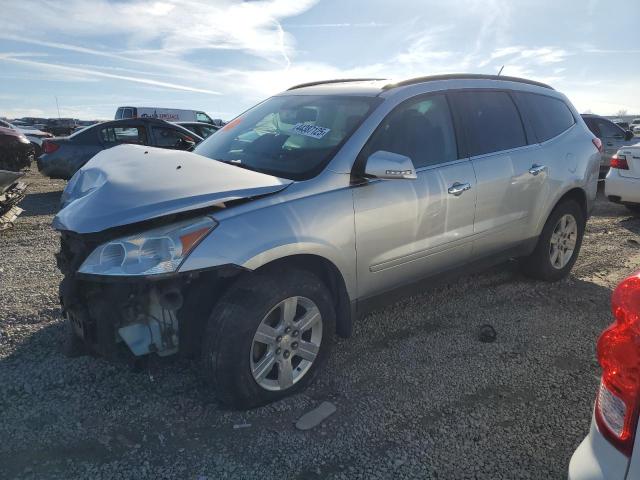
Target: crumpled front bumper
[162,314]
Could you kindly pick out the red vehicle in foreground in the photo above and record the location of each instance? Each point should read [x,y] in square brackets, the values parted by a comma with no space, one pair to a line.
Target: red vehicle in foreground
[612,449]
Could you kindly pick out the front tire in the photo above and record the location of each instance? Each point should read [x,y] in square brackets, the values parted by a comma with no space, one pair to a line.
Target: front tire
[558,245]
[268,337]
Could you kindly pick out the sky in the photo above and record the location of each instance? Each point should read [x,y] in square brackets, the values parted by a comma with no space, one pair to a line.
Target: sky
[223,56]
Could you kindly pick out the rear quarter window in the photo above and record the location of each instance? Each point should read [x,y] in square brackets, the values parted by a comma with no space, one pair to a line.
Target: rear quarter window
[548,116]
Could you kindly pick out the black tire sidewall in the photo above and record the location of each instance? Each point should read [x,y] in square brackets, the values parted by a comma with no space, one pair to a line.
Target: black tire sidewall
[538,265]
[234,321]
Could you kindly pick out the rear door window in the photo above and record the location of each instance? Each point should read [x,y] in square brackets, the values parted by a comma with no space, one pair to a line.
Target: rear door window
[492,121]
[548,116]
[421,129]
[136,135]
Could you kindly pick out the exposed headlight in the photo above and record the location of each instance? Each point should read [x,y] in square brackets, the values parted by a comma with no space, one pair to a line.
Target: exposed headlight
[23,139]
[153,252]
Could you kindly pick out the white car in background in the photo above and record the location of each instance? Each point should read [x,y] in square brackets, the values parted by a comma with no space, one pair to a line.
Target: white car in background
[634,126]
[611,450]
[622,183]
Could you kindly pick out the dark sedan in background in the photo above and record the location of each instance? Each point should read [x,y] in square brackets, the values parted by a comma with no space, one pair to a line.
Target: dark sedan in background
[35,136]
[62,157]
[16,151]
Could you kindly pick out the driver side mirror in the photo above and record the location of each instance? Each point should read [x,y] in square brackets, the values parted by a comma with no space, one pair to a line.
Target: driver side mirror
[388,165]
[628,135]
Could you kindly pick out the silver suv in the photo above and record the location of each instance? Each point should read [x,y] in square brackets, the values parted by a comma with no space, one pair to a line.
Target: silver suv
[304,211]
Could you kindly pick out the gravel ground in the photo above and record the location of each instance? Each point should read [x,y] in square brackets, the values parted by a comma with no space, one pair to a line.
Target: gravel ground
[417,395]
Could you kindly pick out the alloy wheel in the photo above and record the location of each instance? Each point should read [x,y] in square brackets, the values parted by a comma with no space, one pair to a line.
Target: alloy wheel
[563,241]
[286,343]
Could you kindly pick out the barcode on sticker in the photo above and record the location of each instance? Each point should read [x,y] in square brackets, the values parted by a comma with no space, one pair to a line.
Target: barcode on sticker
[310,130]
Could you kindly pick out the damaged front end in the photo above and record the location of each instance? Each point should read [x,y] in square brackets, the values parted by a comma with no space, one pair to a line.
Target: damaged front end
[162,314]
[129,219]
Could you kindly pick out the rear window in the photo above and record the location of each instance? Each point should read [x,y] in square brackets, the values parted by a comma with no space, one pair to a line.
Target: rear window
[608,129]
[492,122]
[549,116]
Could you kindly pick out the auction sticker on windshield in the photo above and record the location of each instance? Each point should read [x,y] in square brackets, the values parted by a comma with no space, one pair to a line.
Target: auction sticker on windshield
[310,130]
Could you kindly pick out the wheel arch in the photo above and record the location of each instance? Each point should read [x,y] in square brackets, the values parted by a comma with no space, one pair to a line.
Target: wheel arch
[578,195]
[330,275]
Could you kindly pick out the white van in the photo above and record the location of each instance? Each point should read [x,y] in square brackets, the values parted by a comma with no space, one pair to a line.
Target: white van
[168,114]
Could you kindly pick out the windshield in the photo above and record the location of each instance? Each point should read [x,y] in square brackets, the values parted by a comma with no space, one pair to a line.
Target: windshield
[288,136]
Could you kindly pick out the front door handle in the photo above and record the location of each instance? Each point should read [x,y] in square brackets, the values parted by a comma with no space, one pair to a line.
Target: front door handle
[536,169]
[458,189]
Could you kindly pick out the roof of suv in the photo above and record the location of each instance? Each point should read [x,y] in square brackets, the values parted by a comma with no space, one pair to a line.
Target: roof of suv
[376,86]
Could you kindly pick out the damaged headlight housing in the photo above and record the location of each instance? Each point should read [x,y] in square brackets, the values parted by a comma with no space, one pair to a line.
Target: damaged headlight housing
[153,252]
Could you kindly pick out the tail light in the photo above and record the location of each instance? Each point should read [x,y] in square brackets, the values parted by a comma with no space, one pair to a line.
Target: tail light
[598,144]
[619,162]
[618,401]
[49,147]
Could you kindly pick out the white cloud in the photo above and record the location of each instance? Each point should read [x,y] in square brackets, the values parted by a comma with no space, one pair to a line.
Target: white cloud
[246,50]
[179,26]
[336,25]
[95,73]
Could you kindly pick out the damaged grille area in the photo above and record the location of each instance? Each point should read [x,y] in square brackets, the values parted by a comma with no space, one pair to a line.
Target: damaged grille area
[147,314]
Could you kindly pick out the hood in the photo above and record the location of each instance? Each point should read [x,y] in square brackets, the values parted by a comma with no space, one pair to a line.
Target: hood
[132,183]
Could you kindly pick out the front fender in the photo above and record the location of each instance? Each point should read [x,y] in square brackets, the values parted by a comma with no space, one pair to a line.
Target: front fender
[320,225]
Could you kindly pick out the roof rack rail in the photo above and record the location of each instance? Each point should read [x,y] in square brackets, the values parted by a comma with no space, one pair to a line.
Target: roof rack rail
[463,76]
[337,80]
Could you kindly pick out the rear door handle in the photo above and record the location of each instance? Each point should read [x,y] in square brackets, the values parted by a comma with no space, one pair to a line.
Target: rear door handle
[458,189]
[536,169]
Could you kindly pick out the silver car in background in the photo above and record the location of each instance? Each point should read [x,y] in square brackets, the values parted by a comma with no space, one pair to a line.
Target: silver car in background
[311,208]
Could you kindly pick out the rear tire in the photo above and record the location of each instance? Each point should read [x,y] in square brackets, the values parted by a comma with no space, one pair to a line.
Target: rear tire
[248,370]
[558,245]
